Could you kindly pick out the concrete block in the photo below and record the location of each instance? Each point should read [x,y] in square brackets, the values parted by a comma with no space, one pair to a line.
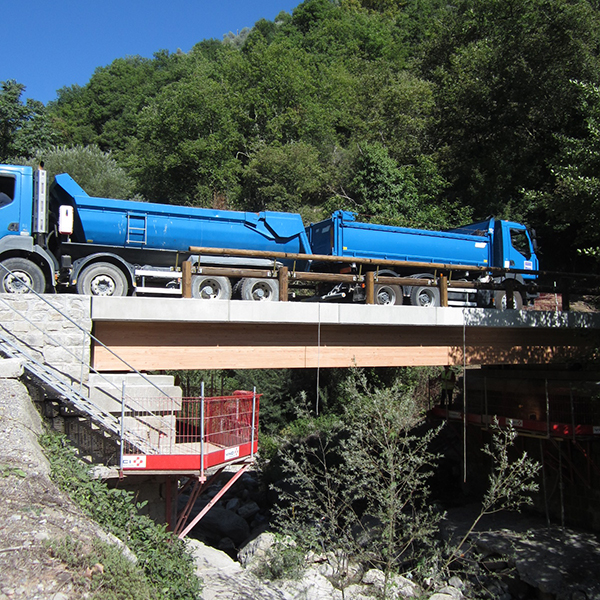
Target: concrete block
[137,398]
[157,431]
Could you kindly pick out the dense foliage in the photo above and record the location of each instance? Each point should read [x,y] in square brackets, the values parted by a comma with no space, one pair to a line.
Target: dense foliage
[420,113]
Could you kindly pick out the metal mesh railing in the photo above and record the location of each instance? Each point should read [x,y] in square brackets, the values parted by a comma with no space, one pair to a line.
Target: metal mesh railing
[200,425]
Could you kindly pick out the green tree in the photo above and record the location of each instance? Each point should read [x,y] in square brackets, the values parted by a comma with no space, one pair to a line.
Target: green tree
[502,72]
[569,210]
[104,112]
[24,127]
[386,192]
[358,485]
[286,178]
[95,171]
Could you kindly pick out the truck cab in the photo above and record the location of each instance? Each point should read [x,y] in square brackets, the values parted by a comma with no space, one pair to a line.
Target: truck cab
[514,248]
[16,184]
[25,262]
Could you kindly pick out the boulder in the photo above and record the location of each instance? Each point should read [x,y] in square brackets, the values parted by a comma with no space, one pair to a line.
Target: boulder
[248,511]
[219,523]
[256,550]
[312,586]
[398,586]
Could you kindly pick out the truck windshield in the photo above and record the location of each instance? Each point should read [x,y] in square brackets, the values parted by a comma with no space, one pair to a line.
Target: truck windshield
[520,242]
[7,190]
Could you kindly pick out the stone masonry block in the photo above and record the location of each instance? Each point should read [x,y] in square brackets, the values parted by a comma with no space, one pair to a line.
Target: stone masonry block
[11,368]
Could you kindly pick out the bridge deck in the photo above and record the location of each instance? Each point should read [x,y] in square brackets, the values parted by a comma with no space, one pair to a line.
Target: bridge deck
[175,333]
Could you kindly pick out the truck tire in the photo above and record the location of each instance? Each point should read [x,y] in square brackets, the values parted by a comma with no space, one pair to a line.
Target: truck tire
[211,288]
[24,276]
[425,296]
[500,300]
[102,279]
[260,290]
[388,295]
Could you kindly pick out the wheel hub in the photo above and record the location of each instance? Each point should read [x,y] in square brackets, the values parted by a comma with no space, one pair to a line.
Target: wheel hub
[208,292]
[260,293]
[102,286]
[385,296]
[17,282]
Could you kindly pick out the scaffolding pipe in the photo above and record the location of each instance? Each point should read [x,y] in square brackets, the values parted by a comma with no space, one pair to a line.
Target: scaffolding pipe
[572,408]
[547,409]
[560,485]
[202,478]
[122,425]
[544,483]
[253,422]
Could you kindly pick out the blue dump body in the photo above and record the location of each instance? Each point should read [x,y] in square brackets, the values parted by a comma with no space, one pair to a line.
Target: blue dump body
[130,224]
[342,235]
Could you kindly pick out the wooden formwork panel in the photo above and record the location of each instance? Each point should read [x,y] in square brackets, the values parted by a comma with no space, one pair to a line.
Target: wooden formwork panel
[158,346]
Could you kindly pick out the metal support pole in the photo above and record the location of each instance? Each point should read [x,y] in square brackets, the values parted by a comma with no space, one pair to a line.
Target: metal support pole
[464,399]
[202,441]
[544,483]
[572,409]
[253,421]
[485,402]
[122,424]
[547,409]
[218,496]
[564,286]
[560,482]
[169,502]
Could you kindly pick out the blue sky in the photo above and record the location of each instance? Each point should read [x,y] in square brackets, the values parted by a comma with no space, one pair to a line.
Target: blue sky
[49,45]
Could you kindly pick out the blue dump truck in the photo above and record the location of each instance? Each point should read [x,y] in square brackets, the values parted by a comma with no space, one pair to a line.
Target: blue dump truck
[490,243]
[68,240]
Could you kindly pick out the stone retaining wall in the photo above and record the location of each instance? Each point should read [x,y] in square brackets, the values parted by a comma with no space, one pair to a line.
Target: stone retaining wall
[40,327]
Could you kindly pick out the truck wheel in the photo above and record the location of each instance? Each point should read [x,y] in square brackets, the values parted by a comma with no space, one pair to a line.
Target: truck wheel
[260,290]
[24,276]
[102,279]
[500,300]
[425,296]
[388,295]
[211,288]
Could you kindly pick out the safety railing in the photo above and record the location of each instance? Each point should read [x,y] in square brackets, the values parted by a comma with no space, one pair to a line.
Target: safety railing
[209,431]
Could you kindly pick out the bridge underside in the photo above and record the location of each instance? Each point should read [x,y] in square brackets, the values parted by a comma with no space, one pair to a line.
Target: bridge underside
[174,334]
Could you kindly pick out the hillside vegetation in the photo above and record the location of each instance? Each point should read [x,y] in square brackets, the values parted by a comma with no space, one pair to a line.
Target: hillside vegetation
[423,113]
